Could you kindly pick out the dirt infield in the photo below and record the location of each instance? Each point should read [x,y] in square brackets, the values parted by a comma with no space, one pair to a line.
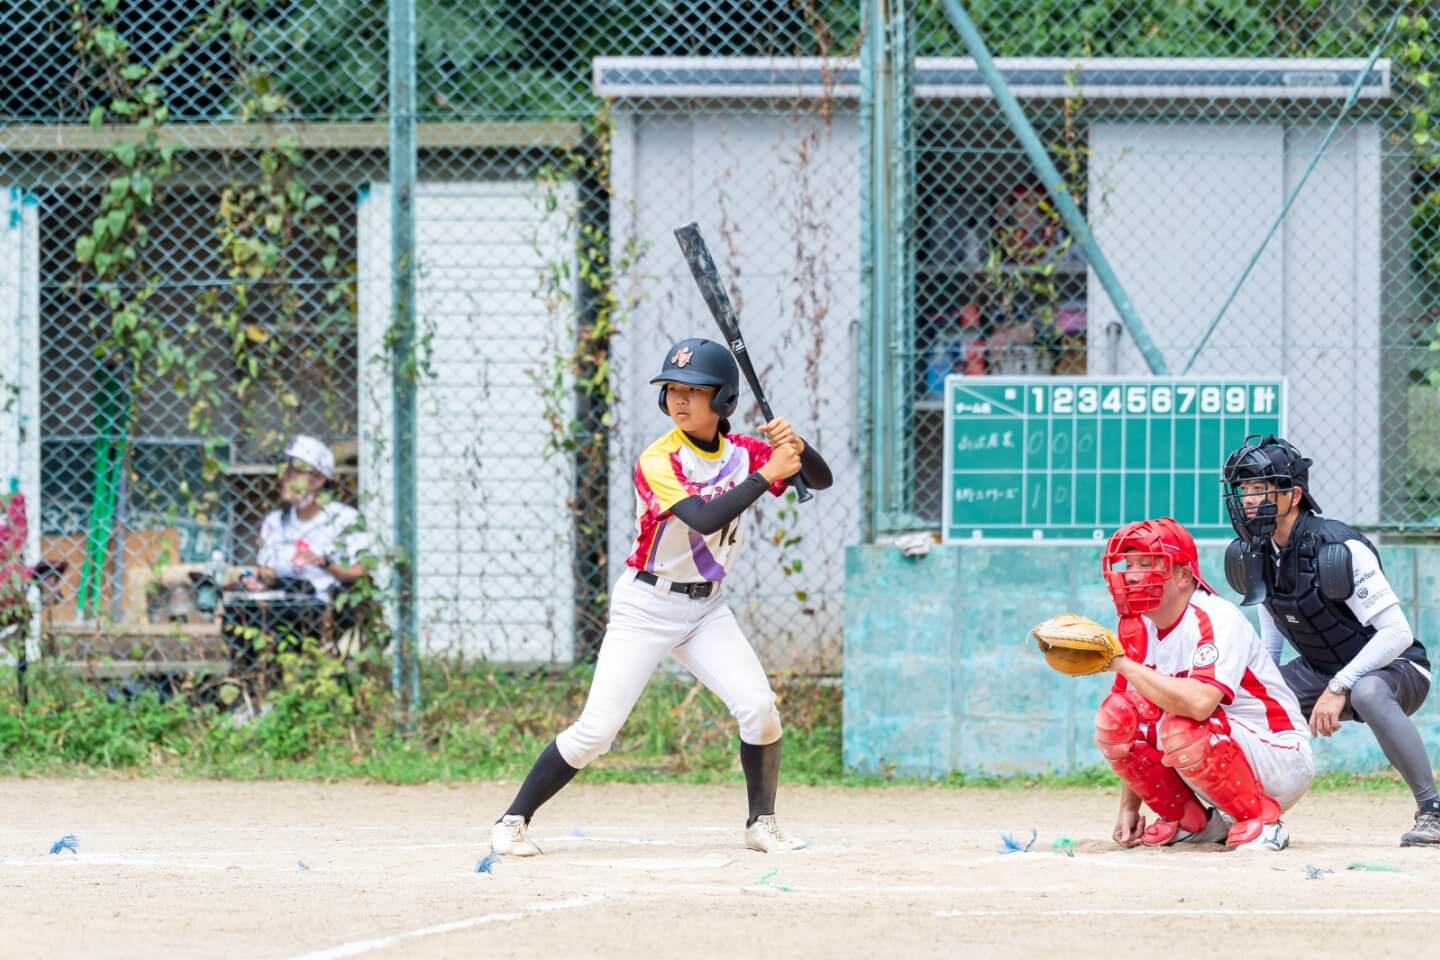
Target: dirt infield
[181,869]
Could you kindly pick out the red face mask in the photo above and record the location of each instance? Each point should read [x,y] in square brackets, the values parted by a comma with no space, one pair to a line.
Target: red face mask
[1136,580]
[1140,558]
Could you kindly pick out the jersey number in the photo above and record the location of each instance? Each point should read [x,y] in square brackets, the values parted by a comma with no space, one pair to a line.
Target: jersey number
[729,532]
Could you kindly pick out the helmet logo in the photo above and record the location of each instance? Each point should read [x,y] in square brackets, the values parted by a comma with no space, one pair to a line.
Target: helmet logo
[682,356]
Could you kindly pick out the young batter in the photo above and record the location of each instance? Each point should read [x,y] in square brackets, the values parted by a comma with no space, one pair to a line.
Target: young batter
[691,486]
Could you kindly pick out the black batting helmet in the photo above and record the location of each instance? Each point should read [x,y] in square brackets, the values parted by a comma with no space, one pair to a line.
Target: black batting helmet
[1264,458]
[702,363]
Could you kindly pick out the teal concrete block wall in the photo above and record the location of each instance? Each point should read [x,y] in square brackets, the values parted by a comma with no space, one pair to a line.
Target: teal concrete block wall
[938,677]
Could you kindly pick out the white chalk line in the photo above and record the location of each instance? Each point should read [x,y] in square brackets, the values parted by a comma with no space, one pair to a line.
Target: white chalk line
[89,861]
[357,947]
[1203,912]
[708,863]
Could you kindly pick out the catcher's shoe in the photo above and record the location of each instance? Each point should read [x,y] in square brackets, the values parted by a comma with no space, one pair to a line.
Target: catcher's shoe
[1426,832]
[509,838]
[1164,833]
[766,836]
[1255,835]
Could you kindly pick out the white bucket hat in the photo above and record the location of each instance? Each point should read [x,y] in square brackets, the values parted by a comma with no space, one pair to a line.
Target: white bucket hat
[314,452]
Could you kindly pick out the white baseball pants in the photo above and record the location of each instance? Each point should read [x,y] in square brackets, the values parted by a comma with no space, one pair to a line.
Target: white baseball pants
[647,622]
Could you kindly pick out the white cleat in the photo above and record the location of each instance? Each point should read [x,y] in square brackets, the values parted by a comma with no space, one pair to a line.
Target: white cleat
[1272,836]
[510,839]
[1216,829]
[766,836]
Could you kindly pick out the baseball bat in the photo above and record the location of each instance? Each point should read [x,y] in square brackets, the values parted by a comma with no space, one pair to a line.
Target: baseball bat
[702,268]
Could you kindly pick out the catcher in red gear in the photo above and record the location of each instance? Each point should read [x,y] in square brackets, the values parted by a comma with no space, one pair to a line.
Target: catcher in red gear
[1199,724]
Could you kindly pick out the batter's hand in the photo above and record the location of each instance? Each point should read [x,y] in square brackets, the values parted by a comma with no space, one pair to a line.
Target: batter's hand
[779,432]
[1129,828]
[1325,717]
[784,462]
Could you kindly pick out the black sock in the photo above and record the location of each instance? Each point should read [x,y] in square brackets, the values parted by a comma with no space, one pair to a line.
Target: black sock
[1431,806]
[544,780]
[762,777]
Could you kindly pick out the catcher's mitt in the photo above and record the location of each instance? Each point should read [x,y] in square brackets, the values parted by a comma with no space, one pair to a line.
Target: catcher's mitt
[1076,645]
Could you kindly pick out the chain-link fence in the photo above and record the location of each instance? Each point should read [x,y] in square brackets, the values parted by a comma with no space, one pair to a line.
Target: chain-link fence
[1180,129]
[197,267]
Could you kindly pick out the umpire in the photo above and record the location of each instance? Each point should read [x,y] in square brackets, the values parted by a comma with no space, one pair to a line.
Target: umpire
[1320,585]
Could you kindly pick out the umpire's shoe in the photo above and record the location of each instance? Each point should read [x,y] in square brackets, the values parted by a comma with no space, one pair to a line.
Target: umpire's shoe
[509,838]
[1426,832]
[766,836]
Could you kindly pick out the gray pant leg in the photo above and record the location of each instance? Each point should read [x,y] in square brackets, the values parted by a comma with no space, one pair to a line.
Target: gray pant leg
[1375,701]
[1305,682]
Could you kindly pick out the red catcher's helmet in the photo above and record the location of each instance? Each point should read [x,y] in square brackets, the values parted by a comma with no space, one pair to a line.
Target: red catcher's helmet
[1169,545]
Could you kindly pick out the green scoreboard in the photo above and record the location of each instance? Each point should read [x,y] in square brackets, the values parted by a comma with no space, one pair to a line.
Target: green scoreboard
[1072,458]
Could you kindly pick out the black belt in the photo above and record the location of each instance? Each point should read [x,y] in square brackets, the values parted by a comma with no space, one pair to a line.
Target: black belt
[695,591]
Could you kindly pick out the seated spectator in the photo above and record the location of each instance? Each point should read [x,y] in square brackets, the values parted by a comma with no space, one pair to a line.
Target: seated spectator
[312,538]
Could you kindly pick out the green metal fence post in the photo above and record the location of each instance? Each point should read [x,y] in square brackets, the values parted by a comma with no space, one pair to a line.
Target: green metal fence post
[406,665]
[1055,184]
[887,271]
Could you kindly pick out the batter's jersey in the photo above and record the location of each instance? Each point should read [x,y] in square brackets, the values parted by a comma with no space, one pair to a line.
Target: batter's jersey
[673,469]
[1213,642]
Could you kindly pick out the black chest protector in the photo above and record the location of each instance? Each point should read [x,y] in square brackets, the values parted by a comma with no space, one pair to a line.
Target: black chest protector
[1306,592]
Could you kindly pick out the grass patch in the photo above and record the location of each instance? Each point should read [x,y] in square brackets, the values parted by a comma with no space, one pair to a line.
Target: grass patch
[478,724]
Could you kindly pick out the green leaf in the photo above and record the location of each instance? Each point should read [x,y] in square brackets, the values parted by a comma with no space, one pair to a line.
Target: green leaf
[143,187]
[126,108]
[108,41]
[133,71]
[238,29]
[115,220]
[97,118]
[124,152]
[84,249]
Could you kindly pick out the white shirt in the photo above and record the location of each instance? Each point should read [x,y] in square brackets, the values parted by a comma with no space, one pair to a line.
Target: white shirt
[1214,643]
[327,534]
[1373,602]
[672,469]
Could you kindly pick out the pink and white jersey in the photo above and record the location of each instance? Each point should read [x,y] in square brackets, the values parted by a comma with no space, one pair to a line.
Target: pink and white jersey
[1213,642]
[673,469]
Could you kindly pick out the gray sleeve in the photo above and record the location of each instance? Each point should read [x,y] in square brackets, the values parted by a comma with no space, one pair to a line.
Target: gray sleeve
[1392,637]
[1269,633]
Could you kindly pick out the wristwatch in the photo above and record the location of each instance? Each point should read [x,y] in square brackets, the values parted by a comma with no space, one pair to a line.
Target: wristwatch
[1336,687]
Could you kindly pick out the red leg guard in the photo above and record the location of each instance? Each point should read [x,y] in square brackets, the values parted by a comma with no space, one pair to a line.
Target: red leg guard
[1208,758]
[1140,765]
